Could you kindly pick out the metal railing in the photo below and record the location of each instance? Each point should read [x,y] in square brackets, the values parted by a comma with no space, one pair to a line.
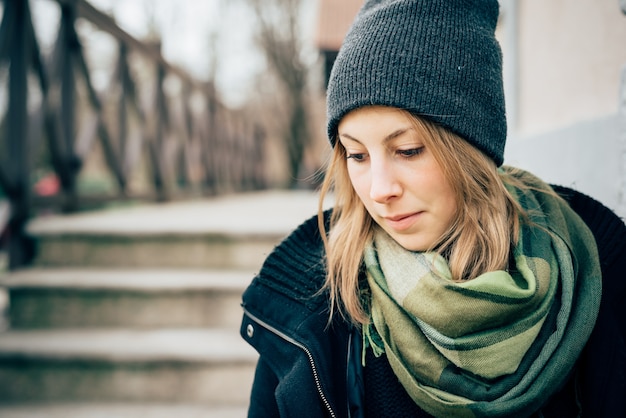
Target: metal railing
[183,139]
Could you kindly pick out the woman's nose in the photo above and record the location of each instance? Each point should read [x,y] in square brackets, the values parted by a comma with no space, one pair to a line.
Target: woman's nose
[384,183]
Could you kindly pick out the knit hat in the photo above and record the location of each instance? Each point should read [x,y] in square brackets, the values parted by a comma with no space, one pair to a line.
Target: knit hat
[438,59]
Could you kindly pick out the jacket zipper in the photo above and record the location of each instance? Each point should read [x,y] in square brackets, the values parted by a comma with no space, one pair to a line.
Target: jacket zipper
[285,337]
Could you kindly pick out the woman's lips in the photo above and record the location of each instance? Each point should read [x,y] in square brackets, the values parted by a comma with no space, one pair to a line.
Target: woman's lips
[401,222]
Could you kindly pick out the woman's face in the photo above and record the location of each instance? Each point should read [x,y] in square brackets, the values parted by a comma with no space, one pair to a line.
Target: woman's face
[396,176]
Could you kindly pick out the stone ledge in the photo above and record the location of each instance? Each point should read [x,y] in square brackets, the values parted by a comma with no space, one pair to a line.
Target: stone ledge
[128,346]
[250,214]
[130,410]
[147,280]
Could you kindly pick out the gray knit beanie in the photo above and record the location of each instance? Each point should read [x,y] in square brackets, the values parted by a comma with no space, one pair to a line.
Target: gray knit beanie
[435,58]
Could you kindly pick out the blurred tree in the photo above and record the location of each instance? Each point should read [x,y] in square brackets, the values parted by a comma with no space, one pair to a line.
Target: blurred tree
[281,39]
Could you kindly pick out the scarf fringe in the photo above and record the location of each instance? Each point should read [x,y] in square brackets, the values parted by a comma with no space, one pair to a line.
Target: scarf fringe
[371,339]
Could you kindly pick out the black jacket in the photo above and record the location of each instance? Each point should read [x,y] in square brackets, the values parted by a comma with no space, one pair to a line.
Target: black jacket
[304,369]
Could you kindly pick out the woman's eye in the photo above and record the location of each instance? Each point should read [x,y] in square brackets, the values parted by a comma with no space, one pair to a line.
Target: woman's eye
[356,157]
[407,153]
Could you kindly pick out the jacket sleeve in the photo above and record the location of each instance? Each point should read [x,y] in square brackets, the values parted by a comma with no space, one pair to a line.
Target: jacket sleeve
[302,359]
[296,376]
[603,363]
[262,399]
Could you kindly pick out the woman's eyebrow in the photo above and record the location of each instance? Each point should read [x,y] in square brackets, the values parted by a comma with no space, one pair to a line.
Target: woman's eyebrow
[386,139]
[348,136]
[395,134]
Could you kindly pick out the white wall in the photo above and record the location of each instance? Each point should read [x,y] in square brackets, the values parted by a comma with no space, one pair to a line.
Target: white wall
[587,156]
[565,81]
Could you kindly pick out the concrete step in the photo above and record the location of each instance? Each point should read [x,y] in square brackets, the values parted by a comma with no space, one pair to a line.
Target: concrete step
[78,298]
[213,367]
[120,410]
[231,231]
[135,311]
[192,250]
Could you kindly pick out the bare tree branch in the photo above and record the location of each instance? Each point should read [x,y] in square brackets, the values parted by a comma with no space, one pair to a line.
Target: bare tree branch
[281,40]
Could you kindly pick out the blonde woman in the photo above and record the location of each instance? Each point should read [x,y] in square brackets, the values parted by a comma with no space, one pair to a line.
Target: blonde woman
[442,283]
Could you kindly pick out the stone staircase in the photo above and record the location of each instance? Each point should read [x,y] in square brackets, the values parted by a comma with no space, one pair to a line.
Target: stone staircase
[135,312]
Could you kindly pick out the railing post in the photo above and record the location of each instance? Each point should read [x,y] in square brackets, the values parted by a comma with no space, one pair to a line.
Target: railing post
[17,162]
[160,172]
[258,138]
[68,47]
[210,141]
[122,118]
[60,106]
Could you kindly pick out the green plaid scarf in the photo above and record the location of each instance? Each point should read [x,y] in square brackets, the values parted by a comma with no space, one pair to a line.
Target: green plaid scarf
[498,345]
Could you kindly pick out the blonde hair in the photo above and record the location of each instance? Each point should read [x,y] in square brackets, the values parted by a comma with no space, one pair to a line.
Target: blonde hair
[479,238]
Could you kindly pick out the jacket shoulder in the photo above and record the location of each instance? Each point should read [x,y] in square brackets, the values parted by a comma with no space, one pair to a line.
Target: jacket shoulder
[296,267]
[604,358]
[608,229]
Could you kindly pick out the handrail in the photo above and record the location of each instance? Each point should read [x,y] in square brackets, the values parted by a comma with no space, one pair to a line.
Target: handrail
[107,24]
[189,151]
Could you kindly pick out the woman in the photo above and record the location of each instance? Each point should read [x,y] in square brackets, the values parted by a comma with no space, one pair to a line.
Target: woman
[441,283]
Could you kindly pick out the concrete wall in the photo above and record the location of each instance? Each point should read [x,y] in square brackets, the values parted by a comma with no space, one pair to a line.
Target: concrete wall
[563,63]
[566,57]
[587,156]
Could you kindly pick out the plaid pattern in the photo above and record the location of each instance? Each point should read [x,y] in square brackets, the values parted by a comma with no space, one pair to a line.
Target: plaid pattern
[482,347]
